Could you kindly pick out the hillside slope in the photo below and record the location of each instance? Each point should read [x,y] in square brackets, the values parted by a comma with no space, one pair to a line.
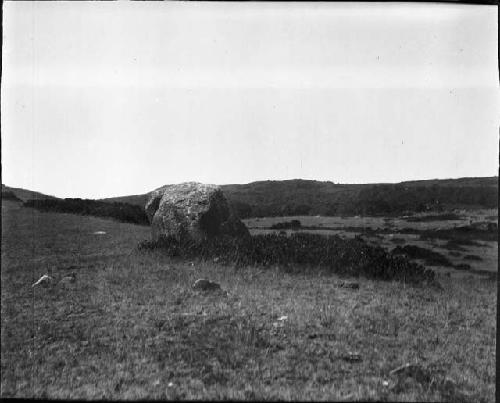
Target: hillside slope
[138,200]
[24,194]
[303,197]
[308,197]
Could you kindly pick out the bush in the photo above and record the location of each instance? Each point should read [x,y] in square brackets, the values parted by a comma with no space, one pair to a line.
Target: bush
[462,266]
[294,224]
[435,217]
[416,252]
[454,245]
[119,211]
[465,235]
[398,241]
[472,257]
[300,251]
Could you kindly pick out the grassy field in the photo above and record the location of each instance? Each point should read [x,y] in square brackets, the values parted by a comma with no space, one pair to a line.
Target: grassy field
[131,327]
[384,231]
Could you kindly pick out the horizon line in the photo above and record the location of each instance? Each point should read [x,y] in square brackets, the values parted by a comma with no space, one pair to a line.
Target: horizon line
[264,180]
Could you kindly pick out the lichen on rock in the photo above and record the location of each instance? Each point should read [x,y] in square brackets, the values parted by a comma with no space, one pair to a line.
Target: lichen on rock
[192,211]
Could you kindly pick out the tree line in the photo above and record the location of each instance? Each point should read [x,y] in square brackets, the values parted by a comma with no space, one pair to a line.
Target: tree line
[119,211]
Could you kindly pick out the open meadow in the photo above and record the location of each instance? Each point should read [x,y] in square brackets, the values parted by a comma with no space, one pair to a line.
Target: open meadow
[117,322]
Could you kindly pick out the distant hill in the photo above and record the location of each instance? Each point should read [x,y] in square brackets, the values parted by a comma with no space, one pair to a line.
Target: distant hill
[308,197]
[9,195]
[125,212]
[474,182]
[137,200]
[23,194]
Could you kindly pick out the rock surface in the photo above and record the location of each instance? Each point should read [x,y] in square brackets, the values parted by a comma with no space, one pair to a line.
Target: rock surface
[203,284]
[192,211]
[352,286]
[44,281]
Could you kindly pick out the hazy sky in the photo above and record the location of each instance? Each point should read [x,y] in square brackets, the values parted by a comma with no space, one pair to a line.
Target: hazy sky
[103,99]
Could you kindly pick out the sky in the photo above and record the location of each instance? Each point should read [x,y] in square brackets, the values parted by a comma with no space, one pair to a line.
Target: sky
[103,99]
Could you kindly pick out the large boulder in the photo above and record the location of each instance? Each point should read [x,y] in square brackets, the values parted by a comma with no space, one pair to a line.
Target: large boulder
[192,211]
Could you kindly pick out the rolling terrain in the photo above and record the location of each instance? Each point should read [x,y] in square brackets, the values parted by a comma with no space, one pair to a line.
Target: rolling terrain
[116,322]
[306,197]
[24,194]
[449,234]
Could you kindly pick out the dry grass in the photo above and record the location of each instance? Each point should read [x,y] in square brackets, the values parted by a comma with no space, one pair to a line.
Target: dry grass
[130,326]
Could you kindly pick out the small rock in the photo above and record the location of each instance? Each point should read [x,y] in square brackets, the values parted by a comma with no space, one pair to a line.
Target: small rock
[352,286]
[352,357]
[203,284]
[170,384]
[414,371]
[44,281]
[448,384]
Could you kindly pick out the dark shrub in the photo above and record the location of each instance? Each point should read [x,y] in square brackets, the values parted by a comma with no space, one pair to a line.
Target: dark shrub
[462,266]
[472,257]
[294,224]
[454,245]
[435,217]
[300,251]
[119,211]
[463,235]
[398,241]
[416,252]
